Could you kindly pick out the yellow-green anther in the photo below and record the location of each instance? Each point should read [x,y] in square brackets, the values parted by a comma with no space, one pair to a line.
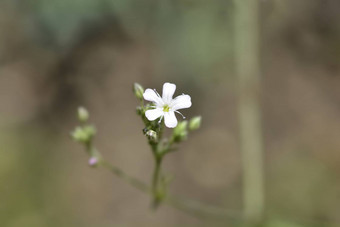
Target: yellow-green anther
[166,108]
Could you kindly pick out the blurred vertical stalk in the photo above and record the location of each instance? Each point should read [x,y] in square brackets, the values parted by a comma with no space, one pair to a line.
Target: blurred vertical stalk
[249,86]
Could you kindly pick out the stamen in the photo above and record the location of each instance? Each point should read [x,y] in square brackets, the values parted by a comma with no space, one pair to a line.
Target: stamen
[160,120]
[180,114]
[157,93]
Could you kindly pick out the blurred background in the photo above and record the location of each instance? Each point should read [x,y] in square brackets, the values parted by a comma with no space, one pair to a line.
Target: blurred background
[58,55]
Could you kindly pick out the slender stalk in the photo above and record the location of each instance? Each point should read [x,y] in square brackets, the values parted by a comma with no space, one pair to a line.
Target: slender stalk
[155,183]
[191,207]
[138,184]
[196,208]
[248,73]
[156,176]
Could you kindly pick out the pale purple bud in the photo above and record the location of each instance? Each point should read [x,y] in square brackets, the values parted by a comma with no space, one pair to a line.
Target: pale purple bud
[93,161]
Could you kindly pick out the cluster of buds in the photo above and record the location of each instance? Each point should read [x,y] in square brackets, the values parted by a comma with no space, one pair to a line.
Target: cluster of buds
[180,133]
[84,134]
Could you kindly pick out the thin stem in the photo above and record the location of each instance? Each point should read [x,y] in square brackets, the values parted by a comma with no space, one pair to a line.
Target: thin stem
[191,207]
[198,209]
[140,185]
[155,182]
[156,176]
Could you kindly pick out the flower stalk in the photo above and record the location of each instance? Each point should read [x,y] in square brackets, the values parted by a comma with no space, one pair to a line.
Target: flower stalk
[156,190]
[156,115]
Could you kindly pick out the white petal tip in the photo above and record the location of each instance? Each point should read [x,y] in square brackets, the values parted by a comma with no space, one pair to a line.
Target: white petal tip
[171,126]
[170,120]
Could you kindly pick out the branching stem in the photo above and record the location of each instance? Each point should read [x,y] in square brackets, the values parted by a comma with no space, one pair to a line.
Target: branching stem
[191,207]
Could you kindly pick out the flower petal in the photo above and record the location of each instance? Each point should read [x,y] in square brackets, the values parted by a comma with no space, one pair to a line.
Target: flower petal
[151,95]
[168,91]
[153,114]
[181,102]
[170,119]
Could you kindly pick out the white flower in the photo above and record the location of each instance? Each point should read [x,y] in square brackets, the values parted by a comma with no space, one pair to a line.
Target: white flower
[166,106]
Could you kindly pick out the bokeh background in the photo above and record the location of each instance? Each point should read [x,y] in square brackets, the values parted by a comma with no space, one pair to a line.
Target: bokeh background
[58,55]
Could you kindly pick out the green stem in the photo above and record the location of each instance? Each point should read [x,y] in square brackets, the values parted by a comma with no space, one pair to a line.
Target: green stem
[191,207]
[196,208]
[155,182]
[201,210]
[130,180]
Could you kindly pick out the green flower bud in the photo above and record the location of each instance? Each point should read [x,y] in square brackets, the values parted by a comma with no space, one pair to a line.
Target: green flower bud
[83,114]
[90,130]
[80,135]
[83,134]
[180,132]
[195,123]
[152,135]
[138,90]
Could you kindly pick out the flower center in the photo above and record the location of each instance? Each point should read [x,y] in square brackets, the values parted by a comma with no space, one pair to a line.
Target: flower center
[166,108]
